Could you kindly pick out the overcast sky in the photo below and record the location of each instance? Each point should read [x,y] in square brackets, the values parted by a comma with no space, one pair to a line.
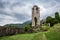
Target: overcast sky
[19,11]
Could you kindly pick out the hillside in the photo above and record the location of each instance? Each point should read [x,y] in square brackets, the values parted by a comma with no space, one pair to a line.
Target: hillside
[18,25]
[52,34]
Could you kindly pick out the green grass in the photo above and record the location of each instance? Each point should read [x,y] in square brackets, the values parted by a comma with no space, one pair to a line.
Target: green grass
[33,36]
[52,34]
[40,36]
[18,37]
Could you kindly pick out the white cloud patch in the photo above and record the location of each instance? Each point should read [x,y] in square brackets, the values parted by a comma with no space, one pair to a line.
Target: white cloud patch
[8,19]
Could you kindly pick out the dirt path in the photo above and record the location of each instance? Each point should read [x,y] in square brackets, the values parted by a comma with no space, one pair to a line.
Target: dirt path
[40,36]
[44,37]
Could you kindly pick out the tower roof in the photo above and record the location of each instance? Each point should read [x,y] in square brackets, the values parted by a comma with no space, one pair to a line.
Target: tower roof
[35,6]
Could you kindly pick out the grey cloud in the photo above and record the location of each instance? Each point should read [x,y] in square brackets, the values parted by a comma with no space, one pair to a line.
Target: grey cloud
[4,13]
[1,4]
[17,4]
[21,17]
[8,3]
[1,19]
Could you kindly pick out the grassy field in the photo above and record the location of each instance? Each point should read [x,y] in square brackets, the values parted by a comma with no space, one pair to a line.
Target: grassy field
[52,34]
[21,36]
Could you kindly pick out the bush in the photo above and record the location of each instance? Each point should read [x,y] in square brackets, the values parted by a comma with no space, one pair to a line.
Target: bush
[55,28]
[27,28]
[44,27]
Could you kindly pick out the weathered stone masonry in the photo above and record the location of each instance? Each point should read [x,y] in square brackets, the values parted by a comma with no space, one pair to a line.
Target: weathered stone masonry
[36,17]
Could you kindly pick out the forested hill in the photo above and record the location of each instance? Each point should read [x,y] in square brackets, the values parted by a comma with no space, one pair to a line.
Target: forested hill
[18,25]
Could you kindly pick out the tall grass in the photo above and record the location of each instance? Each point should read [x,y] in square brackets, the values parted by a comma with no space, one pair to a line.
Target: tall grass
[54,33]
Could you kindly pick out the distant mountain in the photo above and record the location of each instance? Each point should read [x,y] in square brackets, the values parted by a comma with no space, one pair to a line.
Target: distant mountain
[14,25]
[27,22]
[18,25]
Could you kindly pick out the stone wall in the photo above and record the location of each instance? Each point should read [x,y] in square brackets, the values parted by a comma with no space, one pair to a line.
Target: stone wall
[10,31]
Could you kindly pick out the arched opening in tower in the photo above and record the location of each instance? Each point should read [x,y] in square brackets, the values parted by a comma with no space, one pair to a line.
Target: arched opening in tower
[35,19]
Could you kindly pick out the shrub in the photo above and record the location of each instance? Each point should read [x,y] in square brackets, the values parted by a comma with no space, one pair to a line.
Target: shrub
[44,27]
[56,28]
[27,28]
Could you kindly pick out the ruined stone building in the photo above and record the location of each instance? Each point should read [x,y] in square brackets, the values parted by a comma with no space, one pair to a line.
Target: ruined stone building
[36,17]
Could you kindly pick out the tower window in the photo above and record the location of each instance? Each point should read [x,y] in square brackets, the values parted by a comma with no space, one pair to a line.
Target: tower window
[36,8]
[32,8]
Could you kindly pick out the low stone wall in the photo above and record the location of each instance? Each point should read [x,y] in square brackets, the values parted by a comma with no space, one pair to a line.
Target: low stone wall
[10,31]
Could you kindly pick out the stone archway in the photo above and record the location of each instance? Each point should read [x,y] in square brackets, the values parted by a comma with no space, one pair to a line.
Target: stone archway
[35,19]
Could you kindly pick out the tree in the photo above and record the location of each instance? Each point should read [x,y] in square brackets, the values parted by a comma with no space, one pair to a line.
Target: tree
[49,20]
[59,19]
[53,21]
[57,16]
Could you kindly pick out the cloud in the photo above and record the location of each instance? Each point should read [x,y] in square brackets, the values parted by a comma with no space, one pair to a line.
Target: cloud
[19,11]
